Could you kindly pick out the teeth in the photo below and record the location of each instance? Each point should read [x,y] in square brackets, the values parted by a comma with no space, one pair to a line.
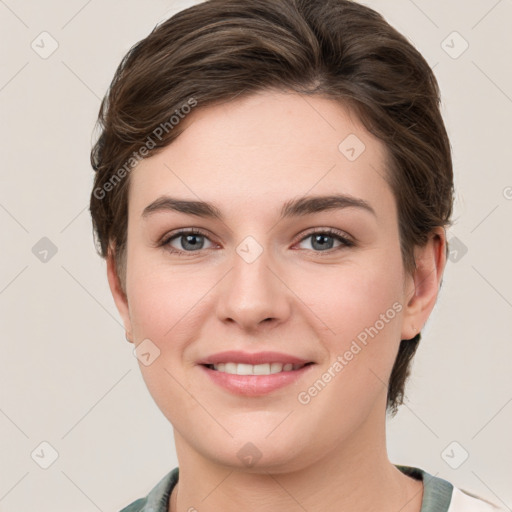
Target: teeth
[255,369]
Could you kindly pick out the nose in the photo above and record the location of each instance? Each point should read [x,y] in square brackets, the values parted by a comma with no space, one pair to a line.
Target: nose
[254,294]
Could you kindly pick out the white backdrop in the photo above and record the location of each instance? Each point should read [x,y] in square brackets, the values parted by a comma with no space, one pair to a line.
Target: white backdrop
[68,377]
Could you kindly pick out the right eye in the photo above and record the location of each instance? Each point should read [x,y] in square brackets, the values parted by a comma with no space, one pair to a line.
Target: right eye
[191,240]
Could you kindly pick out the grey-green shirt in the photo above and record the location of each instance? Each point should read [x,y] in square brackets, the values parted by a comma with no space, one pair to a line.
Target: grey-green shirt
[438,495]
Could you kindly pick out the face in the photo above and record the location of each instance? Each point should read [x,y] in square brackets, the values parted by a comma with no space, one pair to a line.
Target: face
[267,269]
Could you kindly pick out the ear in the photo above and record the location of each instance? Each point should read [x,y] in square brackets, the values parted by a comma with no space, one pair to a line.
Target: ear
[118,294]
[423,286]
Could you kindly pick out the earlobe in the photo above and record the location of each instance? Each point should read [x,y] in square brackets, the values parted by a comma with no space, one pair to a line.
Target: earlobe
[425,283]
[118,294]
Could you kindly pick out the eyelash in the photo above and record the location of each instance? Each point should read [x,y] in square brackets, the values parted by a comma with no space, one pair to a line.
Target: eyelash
[327,231]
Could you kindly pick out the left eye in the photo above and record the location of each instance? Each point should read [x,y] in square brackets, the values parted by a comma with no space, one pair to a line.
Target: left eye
[324,240]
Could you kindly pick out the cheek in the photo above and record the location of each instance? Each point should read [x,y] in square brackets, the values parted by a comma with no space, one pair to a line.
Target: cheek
[168,304]
[362,308]
[353,297]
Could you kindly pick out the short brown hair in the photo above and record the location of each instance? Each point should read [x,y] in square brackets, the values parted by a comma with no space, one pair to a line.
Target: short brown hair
[222,49]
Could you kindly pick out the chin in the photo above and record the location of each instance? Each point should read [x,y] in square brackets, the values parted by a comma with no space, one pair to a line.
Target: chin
[259,453]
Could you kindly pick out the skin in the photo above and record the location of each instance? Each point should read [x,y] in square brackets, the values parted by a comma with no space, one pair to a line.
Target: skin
[248,157]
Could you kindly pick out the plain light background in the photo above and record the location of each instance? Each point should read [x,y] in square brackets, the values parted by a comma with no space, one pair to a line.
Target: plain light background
[68,377]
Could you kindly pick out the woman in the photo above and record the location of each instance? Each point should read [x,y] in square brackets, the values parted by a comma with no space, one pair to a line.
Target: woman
[274,181]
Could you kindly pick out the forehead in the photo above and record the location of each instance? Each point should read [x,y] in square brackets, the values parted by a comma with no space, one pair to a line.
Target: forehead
[263,149]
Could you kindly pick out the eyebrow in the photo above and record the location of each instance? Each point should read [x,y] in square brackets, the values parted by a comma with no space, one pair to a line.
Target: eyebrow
[293,208]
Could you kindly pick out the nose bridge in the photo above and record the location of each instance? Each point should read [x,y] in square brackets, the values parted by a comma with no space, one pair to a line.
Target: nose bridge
[252,292]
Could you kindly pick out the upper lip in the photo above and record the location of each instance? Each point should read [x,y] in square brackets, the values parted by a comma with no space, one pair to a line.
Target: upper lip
[234,356]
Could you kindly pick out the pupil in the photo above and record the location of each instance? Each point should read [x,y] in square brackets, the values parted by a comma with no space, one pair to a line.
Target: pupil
[321,239]
[189,239]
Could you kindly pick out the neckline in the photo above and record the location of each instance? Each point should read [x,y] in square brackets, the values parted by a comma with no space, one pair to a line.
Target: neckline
[437,492]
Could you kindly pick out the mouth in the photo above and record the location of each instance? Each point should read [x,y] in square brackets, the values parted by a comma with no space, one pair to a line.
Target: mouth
[254,374]
[270,368]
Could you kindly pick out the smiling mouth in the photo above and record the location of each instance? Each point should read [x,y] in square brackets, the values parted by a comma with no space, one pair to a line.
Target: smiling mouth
[255,369]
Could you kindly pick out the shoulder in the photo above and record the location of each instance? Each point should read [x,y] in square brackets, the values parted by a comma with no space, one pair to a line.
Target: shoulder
[157,500]
[136,506]
[440,495]
[463,501]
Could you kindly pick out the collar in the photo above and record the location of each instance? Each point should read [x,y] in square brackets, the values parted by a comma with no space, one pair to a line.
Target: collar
[437,492]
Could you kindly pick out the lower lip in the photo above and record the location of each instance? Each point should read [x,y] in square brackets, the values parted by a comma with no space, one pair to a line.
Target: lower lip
[255,385]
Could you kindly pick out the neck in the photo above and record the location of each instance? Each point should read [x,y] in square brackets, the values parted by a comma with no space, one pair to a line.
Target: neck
[355,476]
